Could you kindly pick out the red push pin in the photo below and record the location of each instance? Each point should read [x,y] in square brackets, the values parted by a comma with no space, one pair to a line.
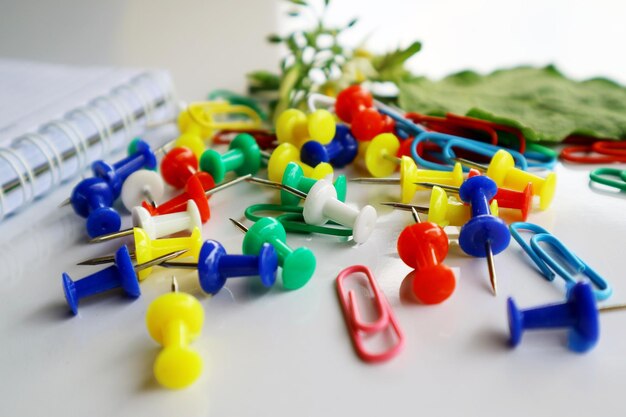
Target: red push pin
[355,105]
[195,190]
[511,199]
[424,246]
[180,164]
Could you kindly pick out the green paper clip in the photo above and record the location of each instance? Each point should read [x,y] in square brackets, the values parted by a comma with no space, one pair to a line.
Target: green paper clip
[293,220]
[599,176]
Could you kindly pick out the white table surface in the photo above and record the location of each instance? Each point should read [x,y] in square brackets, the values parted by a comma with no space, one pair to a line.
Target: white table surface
[288,353]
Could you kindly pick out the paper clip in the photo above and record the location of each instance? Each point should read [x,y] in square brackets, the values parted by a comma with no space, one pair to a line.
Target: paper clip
[293,220]
[606,152]
[549,266]
[599,176]
[357,327]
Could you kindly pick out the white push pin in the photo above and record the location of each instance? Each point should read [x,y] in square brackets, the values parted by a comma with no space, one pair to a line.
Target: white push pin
[321,205]
[142,185]
[159,226]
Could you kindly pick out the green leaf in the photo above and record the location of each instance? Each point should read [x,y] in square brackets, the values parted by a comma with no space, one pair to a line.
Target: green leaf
[390,66]
[543,103]
[274,38]
[352,23]
[263,80]
[299,2]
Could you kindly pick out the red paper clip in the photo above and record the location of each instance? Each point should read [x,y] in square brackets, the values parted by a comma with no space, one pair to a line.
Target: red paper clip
[358,328]
[601,152]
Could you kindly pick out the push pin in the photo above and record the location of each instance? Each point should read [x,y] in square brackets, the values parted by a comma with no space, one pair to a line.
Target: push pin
[120,275]
[351,101]
[502,170]
[295,127]
[484,234]
[424,246]
[511,199]
[215,266]
[174,320]
[142,185]
[410,176]
[321,205]
[286,153]
[197,191]
[294,177]
[298,265]
[116,174]
[159,226]
[444,210]
[243,157]
[579,313]
[369,123]
[339,152]
[93,199]
[180,164]
[147,249]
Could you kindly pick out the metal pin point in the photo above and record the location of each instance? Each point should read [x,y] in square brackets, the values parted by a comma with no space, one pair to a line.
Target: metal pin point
[471,164]
[156,261]
[266,154]
[146,193]
[65,202]
[407,207]
[448,188]
[239,225]
[492,267]
[111,236]
[416,216]
[279,186]
[381,181]
[608,309]
[221,187]
[174,284]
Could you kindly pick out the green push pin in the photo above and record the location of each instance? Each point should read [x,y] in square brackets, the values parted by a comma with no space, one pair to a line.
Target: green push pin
[243,157]
[298,265]
[294,177]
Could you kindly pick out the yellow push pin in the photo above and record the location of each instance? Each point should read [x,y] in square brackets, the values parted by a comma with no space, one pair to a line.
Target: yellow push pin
[147,249]
[174,320]
[410,174]
[502,171]
[295,127]
[443,210]
[285,153]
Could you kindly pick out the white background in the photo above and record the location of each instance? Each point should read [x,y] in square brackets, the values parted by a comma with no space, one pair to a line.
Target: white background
[288,353]
[213,44]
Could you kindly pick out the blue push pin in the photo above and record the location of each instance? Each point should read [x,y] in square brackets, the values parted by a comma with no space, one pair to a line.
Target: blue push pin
[215,266]
[116,174]
[579,313]
[93,199]
[340,152]
[484,234]
[121,274]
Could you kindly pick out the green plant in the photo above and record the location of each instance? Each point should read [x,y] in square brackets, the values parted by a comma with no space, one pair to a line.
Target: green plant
[317,61]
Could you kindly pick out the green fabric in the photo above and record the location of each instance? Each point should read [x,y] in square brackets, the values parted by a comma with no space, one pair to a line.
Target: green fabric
[542,102]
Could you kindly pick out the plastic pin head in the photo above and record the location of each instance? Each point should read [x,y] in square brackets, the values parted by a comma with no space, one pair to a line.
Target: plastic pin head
[579,314]
[174,320]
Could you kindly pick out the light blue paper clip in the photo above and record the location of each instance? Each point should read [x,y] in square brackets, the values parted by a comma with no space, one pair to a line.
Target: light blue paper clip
[549,266]
[481,148]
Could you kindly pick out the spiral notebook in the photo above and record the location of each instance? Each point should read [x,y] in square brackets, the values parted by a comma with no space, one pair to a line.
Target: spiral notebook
[55,120]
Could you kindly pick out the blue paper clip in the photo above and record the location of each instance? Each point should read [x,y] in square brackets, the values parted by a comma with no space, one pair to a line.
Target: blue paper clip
[438,138]
[545,261]
[480,148]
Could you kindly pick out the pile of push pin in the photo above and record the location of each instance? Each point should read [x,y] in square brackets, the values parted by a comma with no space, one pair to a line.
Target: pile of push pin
[431,153]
